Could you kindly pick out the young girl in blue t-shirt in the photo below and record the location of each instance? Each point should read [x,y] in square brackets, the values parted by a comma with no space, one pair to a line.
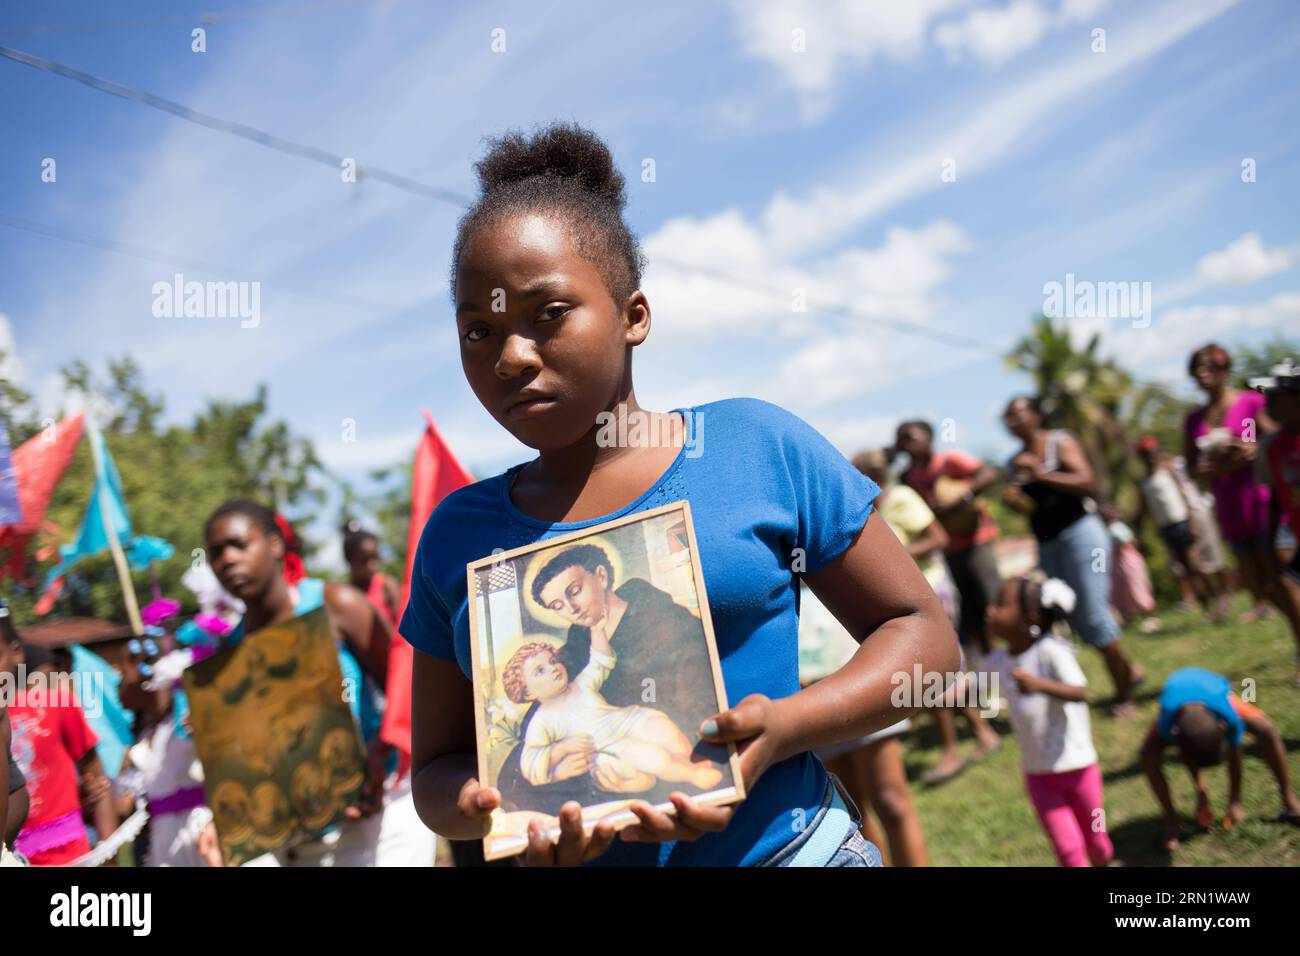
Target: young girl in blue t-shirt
[545,278]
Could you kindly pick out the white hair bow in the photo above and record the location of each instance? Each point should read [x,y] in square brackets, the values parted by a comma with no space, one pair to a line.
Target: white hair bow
[1057,594]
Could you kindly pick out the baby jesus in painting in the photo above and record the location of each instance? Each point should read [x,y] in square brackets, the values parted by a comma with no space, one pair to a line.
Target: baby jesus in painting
[627,749]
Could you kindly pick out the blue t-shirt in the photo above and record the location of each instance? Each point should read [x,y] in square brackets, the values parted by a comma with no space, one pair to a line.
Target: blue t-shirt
[1193,685]
[762,483]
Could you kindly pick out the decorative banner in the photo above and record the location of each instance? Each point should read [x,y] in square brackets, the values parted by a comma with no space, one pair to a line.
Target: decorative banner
[36,467]
[280,751]
[107,494]
[106,501]
[111,722]
[437,474]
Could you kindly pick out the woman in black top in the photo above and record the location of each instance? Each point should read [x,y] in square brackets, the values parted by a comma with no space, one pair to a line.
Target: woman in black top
[1052,482]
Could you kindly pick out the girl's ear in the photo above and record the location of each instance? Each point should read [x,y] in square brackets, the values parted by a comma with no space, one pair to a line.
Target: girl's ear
[636,318]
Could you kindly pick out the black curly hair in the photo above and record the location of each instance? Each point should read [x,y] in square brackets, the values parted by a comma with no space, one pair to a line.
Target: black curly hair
[1201,737]
[566,171]
[588,556]
[1031,602]
[354,536]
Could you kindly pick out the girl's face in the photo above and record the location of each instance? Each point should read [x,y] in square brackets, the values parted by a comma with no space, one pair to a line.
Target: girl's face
[914,441]
[1210,374]
[1005,619]
[577,595]
[244,558]
[364,563]
[544,676]
[543,344]
[1021,419]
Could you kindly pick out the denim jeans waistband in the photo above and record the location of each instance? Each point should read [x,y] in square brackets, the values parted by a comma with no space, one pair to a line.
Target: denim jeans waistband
[817,841]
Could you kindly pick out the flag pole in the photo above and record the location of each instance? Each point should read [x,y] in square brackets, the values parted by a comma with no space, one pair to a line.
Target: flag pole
[119,558]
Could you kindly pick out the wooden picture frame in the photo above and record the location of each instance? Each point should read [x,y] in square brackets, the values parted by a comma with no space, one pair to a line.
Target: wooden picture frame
[555,717]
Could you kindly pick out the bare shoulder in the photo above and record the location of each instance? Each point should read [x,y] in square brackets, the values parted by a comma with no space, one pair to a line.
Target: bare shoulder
[344,602]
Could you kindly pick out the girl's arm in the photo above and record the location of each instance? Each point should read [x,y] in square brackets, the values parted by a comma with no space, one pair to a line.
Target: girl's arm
[1075,476]
[1153,748]
[876,591]
[393,595]
[1061,690]
[982,479]
[364,630]
[878,594]
[98,793]
[447,794]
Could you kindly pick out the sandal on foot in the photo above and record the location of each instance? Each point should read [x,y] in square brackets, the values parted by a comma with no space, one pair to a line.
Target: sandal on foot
[935,777]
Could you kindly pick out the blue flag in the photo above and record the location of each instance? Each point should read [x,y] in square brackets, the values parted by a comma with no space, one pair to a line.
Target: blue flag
[110,721]
[106,499]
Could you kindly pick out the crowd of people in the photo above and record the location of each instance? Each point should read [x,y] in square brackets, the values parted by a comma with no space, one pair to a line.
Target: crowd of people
[896,550]
[1236,480]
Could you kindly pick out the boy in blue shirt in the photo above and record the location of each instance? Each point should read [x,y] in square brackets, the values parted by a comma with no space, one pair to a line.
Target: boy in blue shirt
[1200,714]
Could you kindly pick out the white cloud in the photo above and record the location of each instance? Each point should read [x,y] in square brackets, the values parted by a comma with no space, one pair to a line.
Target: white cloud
[988,131]
[833,368]
[837,34]
[852,435]
[1162,348]
[1073,11]
[994,35]
[365,452]
[1245,260]
[898,279]
[841,35]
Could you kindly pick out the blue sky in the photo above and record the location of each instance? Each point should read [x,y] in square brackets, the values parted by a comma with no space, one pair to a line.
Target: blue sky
[818,168]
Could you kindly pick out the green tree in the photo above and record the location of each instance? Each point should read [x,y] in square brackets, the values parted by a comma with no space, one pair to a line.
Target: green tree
[17,413]
[172,478]
[1256,361]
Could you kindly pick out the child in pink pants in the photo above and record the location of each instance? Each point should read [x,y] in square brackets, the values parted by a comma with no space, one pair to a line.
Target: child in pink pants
[1048,695]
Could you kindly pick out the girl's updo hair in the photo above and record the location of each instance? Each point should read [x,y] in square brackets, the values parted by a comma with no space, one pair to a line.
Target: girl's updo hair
[566,171]
[1050,599]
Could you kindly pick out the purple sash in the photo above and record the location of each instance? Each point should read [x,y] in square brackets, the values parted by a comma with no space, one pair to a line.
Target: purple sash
[178,802]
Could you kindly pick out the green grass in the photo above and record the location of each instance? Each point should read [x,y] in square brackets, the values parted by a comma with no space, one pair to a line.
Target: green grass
[984,817]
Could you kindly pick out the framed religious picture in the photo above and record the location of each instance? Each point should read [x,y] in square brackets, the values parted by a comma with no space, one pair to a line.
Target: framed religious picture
[594,666]
[280,751]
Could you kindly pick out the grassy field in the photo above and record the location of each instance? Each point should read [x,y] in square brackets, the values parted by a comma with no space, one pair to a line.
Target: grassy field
[984,817]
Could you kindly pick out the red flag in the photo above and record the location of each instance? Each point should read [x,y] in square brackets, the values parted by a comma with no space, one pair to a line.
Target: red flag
[437,474]
[38,465]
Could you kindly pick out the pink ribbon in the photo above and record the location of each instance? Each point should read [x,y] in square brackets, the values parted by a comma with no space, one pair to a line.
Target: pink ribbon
[51,834]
